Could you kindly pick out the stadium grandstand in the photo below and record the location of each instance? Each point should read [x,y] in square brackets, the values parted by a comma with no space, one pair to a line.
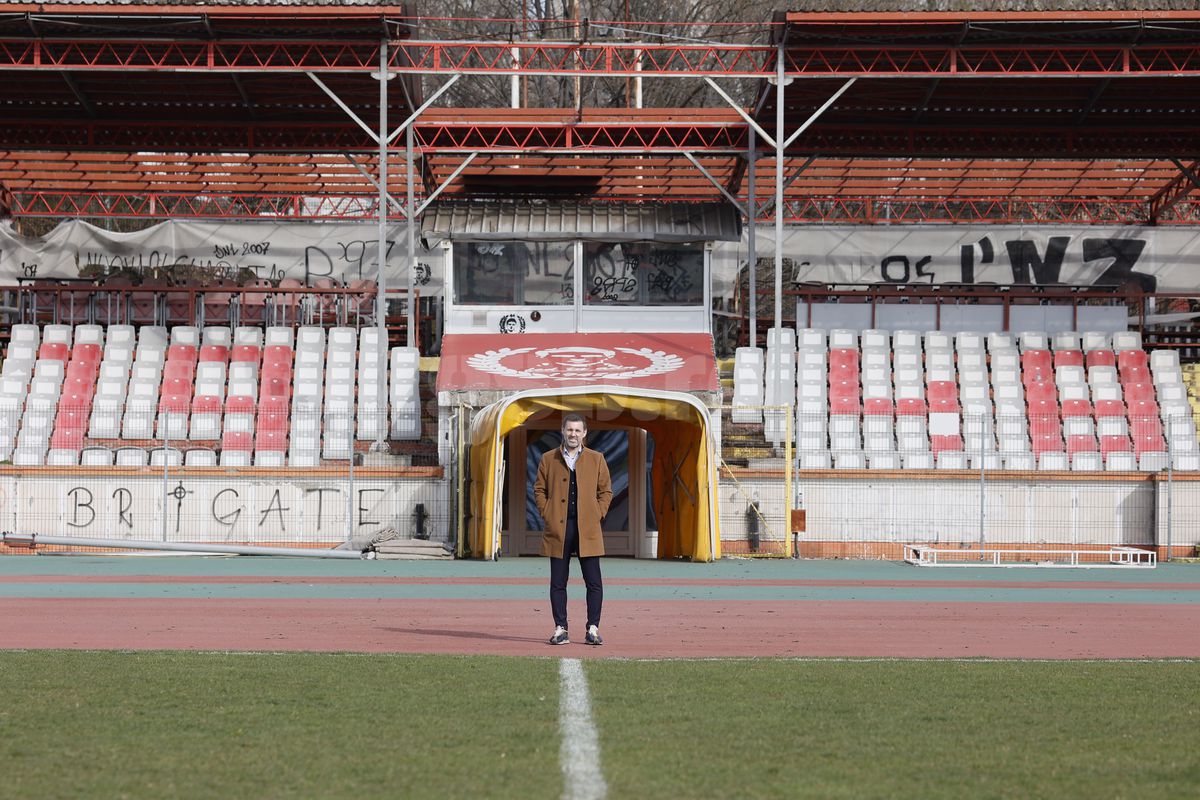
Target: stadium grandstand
[891,277]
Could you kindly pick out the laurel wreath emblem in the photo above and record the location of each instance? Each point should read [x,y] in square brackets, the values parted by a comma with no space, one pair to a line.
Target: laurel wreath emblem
[659,362]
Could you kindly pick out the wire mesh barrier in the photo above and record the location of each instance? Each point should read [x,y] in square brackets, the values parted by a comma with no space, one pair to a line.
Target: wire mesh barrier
[755,484]
[225,476]
[865,484]
[814,485]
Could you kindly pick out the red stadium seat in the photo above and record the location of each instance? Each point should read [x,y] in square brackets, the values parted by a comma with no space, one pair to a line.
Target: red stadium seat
[843,357]
[1081,443]
[1068,358]
[67,419]
[942,396]
[911,407]
[1142,408]
[53,351]
[1149,425]
[1037,362]
[245,353]
[1045,443]
[88,352]
[1137,391]
[842,373]
[237,440]
[878,407]
[1100,358]
[177,385]
[1149,443]
[179,371]
[1109,408]
[1041,391]
[181,352]
[1115,444]
[83,370]
[272,421]
[845,404]
[278,352]
[1137,374]
[939,443]
[175,403]
[215,352]
[1042,409]
[206,404]
[1045,424]
[845,388]
[240,404]
[67,439]
[1076,408]
[1132,359]
[271,440]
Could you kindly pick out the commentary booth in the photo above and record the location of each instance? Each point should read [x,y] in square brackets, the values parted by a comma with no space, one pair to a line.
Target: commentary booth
[557,307]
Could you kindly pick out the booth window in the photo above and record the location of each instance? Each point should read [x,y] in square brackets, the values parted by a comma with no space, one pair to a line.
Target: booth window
[513,273]
[643,274]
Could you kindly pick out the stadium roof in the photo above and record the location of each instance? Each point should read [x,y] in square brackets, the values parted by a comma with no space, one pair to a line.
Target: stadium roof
[1004,113]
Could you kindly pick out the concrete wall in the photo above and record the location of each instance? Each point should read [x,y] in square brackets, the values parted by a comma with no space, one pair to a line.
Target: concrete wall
[215,507]
[1063,510]
[219,506]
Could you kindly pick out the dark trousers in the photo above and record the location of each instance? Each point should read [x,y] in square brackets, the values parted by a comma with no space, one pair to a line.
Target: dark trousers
[560,571]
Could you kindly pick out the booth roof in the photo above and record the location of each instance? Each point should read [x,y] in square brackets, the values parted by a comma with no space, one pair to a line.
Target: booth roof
[557,220]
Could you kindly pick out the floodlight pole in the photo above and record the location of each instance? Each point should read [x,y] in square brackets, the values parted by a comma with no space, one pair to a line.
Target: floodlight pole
[411,340]
[779,147]
[751,238]
[381,393]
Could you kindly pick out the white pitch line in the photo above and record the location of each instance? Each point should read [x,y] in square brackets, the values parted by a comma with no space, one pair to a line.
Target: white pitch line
[580,751]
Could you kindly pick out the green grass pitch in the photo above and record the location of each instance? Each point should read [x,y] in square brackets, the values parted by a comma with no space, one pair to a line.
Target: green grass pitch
[184,724]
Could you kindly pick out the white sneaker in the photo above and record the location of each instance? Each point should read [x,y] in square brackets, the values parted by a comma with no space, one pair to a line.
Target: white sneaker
[593,635]
[560,636]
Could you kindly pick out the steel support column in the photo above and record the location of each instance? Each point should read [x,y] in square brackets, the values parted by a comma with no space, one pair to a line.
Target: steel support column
[778,145]
[381,390]
[411,340]
[751,236]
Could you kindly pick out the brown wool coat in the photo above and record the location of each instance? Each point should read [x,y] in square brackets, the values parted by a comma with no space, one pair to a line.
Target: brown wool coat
[595,493]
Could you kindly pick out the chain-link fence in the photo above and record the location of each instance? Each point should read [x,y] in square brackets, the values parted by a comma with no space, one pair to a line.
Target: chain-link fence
[225,475]
[864,486]
[868,484]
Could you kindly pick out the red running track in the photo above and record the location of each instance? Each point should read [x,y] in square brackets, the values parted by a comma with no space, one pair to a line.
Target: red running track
[632,629]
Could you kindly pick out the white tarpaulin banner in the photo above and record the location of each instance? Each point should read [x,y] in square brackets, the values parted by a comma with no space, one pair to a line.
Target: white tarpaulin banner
[1156,259]
[273,250]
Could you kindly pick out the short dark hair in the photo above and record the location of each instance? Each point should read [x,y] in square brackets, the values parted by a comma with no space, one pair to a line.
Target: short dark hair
[574,417]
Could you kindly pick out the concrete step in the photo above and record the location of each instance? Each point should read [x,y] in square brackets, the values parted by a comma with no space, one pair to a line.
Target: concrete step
[412,549]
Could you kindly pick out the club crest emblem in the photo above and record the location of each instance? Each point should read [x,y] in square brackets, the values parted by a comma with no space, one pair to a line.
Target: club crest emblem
[591,364]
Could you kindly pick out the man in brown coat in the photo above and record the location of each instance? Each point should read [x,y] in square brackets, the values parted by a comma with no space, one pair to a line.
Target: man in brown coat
[572,491]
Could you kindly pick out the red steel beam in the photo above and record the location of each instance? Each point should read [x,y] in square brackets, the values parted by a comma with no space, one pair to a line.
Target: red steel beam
[832,209]
[1087,211]
[878,61]
[1131,140]
[159,205]
[629,137]
[601,58]
[1173,193]
[431,137]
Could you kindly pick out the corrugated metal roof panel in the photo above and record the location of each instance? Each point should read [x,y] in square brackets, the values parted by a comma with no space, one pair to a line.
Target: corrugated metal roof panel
[151,4]
[610,222]
[1004,6]
[865,6]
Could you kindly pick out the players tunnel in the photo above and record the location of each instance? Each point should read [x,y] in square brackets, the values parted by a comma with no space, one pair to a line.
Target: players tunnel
[682,480]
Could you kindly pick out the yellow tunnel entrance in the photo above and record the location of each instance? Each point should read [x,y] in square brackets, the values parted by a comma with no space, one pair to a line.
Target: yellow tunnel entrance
[683,484]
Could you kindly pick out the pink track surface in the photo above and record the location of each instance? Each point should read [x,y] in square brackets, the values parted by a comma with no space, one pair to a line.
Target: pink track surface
[633,629]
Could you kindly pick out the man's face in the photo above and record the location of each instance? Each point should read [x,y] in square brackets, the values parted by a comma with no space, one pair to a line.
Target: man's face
[573,434]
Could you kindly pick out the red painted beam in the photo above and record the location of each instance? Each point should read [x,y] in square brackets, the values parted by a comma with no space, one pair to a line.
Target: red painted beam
[600,58]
